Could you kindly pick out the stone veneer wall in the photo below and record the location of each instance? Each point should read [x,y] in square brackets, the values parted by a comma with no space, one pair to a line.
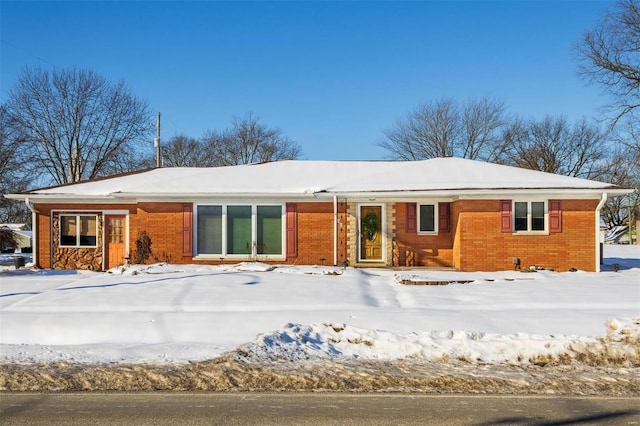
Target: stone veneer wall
[89,258]
[390,213]
[352,235]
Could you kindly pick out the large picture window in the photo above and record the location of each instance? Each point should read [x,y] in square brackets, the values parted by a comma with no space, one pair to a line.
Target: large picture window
[240,230]
[78,230]
[427,214]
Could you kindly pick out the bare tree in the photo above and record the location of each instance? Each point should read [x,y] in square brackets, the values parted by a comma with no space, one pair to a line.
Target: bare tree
[622,170]
[610,56]
[249,141]
[482,124]
[136,156]
[426,132]
[442,128]
[552,145]
[15,173]
[627,134]
[74,122]
[185,151]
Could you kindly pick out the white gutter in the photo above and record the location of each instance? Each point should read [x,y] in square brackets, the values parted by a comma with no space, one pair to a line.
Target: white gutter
[34,230]
[460,193]
[335,230]
[598,208]
[489,193]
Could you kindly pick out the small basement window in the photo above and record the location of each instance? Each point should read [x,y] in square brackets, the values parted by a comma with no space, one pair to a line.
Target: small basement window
[78,230]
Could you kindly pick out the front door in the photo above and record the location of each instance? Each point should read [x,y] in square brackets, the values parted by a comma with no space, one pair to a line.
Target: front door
[115,236]
[371,233]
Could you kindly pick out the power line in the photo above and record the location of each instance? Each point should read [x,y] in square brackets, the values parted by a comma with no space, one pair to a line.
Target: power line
[25,51]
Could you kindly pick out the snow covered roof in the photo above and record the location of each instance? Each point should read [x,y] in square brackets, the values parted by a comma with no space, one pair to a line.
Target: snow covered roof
[316,178]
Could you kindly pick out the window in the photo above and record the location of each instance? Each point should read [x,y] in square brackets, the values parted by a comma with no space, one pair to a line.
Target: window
[240,230]
[209,230]
[427,214]
[269,238]
[239,238]
[78,230]
[529,216]
[116,230]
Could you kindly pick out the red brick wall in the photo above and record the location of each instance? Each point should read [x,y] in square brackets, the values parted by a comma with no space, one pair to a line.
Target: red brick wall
[163,224]
[422,250]
[42,243]
[315,234]
[481,245]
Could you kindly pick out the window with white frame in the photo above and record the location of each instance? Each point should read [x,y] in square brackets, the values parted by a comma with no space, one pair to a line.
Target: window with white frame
[240,229]
[427,218]
[529,216]
[78,230]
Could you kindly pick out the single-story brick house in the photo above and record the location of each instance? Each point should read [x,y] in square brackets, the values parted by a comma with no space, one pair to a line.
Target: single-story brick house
[443,212]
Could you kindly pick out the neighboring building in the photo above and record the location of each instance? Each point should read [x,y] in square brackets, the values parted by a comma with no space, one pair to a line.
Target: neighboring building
[443,212]
[21,232]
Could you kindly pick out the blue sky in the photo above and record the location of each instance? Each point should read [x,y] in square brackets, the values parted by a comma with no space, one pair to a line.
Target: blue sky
[331,75]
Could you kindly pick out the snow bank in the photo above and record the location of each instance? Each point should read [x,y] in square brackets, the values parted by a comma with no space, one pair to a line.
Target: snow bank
[315,341]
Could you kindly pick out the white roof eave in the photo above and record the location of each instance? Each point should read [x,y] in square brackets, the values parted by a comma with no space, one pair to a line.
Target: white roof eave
[480,193]
[132,198]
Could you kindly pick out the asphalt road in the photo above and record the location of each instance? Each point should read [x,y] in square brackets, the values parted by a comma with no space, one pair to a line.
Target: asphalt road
[163,408]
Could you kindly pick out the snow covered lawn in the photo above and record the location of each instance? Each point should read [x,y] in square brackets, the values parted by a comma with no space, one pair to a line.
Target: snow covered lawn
[180,313]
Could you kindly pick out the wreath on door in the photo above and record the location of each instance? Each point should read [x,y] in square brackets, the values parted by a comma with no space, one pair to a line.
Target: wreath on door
[370,225]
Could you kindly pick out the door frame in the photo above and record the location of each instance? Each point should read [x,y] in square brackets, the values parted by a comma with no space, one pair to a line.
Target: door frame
[383,232]
[103,219]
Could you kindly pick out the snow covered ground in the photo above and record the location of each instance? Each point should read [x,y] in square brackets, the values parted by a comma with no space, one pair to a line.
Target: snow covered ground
[179,313]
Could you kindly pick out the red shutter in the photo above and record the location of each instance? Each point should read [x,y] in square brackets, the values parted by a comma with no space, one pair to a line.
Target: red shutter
[292,230]
[444,223]
[412,218]
[505,215]
[187,229]
[555,216]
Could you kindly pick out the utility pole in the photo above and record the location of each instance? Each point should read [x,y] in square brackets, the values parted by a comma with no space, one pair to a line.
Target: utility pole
[156,142]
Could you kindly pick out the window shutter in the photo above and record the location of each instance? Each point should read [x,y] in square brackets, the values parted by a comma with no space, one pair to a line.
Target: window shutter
[444,223]
[555,216]
[505,215]
[187,229]
[412,218]
[292,230]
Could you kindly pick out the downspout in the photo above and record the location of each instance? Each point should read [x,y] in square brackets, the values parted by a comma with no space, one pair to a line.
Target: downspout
[335,230]
[598,208]
[34,231]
